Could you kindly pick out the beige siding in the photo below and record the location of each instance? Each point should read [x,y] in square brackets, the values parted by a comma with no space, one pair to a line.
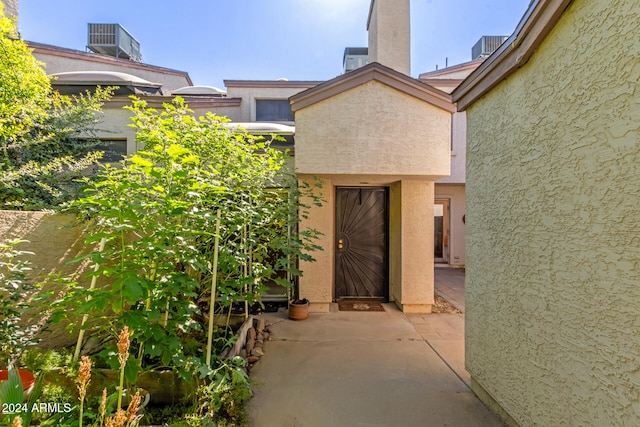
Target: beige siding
[553,223]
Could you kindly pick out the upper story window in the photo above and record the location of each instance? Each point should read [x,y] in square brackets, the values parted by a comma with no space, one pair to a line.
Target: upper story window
[273,110]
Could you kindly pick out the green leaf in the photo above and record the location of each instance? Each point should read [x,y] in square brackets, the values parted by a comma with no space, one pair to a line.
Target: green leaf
[175,150]
[132,289]
[139,161]
[131,370]
[11,391]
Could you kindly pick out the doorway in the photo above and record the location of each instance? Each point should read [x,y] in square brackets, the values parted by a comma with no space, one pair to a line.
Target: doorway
[441,231]
[361,252]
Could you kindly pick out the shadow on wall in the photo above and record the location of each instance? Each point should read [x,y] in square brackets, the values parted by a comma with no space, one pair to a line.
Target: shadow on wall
[55,240]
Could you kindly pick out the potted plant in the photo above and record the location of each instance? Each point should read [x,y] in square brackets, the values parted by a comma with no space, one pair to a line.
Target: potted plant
[298,309]
[26,377]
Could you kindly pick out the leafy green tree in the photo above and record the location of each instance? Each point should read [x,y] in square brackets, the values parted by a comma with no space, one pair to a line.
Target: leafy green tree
[24,86]
[45,138]
[157,213]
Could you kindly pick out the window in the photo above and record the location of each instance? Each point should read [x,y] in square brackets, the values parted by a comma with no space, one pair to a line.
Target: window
[273,110]
[114,150]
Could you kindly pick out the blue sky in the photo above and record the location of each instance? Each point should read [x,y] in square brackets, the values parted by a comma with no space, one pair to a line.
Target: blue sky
[215,40]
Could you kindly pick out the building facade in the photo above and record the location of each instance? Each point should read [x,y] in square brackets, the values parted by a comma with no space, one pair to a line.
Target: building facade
[416,231]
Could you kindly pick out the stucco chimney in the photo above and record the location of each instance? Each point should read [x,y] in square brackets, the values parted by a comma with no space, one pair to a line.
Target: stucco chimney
[10,7]
[390,34]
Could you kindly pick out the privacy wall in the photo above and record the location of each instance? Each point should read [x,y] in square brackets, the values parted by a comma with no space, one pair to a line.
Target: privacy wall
[553,223]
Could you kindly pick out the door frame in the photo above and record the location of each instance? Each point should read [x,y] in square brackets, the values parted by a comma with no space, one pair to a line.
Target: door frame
[386,284]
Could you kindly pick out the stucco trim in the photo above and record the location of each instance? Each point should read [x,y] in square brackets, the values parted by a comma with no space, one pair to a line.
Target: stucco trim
[535,25]
[93,57]
[377,72]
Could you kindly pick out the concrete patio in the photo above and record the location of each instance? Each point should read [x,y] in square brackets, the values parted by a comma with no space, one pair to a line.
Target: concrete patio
[367,369]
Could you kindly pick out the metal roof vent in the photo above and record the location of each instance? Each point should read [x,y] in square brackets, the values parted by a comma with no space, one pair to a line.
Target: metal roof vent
[486,46]
[113,40]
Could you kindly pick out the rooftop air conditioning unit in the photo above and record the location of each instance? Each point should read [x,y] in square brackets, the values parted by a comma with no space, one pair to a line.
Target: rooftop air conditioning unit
[113,40]
[486,46]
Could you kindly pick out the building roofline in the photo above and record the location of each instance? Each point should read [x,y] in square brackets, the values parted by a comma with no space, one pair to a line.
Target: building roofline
[453,69]
[157,101]
[94,57]
[378,72]
[537,22]
[450,83]
[271,83]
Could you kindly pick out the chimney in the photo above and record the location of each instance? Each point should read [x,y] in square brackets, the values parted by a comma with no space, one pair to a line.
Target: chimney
[10,7]
[389,34]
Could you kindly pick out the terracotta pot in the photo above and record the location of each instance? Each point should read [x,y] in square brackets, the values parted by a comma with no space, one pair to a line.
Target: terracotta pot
[299,309]
[27,378]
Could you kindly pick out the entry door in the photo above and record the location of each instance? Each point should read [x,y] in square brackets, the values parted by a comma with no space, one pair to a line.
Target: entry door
[441,230]
[361,243]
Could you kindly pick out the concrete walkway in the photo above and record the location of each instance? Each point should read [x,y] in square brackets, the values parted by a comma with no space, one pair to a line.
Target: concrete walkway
[365,369]
[449,283]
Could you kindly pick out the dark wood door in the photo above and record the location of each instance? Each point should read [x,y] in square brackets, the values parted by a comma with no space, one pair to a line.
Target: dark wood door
[361,243]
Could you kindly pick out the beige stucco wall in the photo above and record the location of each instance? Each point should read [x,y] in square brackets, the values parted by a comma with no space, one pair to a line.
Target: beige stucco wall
[458,150]
[412,255]
[373,129]
[553,223]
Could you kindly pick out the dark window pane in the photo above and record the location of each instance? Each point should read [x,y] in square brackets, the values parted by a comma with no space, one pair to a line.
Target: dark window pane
[114,150]
[273,110]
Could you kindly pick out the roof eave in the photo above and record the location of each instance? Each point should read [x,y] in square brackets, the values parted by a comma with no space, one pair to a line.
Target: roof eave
[104,83]
[271,83]
[372,71]
[535,25]
[94,57]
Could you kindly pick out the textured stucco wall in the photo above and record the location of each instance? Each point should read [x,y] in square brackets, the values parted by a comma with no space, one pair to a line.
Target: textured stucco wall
[553,223]
[316,283]
[415,254]
[373,129]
